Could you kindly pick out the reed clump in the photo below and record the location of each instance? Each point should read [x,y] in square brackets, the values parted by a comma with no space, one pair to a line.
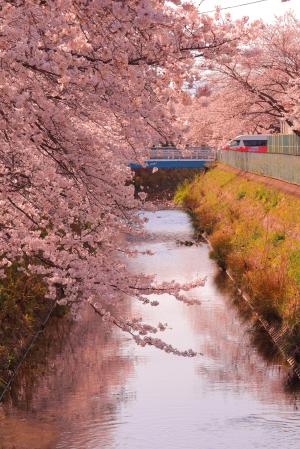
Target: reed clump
[255,233]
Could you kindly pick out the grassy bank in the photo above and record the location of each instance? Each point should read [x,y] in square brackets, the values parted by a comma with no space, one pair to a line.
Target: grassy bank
[23,308]
[255,233]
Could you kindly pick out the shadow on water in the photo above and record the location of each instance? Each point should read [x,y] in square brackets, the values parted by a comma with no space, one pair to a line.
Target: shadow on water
[71,361]
[50,344]
[259,337]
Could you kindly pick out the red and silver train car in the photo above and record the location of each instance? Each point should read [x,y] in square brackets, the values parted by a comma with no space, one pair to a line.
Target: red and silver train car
[255,143]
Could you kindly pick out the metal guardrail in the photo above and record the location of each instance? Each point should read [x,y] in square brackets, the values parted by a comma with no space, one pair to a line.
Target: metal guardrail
[198,153]
[284,144]
[285,167]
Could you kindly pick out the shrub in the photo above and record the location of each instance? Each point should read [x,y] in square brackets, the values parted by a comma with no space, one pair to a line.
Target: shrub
[268,197]
[268,293]
[294,265]
[205,219]
[22,308]
[278,238]
[221,243]
[238,265]
[241,195]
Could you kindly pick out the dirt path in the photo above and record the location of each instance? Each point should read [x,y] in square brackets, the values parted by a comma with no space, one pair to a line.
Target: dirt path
[283,186]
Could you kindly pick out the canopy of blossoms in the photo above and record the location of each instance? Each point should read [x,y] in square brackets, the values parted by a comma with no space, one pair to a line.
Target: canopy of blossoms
[253,91]
[85,87]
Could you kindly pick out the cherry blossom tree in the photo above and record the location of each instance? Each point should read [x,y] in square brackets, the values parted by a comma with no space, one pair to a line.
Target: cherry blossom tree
[252,91]
[85,87]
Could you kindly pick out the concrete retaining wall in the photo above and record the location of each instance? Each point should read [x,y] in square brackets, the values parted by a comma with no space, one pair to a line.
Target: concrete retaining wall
[281,166]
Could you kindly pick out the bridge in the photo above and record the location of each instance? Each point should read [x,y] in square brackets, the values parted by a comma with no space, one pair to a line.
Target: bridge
[172,157]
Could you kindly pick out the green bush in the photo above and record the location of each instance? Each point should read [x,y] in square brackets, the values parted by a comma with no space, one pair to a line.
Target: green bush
[222,247]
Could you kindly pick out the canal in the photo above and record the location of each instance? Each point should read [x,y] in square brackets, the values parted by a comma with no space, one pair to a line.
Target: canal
[85,386]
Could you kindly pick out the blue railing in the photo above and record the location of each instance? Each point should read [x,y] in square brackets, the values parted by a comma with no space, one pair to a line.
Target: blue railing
[172,157]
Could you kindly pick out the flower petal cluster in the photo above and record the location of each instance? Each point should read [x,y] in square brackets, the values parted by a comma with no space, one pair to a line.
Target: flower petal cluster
[85,87]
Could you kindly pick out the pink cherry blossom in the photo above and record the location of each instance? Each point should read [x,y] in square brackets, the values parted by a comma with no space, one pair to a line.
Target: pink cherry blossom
[86,87]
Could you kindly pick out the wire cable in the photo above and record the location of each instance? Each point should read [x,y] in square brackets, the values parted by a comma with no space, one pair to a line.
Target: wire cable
[235,6]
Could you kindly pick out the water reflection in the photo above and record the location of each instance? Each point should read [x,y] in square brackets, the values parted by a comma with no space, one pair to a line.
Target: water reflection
[258,335]
[78,381]
[96,389]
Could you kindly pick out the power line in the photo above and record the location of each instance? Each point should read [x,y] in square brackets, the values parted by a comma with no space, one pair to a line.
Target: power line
[235,6]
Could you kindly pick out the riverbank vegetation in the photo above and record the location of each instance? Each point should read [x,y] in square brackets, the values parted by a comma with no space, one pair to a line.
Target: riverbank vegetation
[255,233]
[161,184]
[23,308]
[97,90]
[102,83]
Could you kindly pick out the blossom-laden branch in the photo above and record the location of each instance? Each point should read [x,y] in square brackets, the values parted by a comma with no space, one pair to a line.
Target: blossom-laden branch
[252,92]
[139,332]
[80,97]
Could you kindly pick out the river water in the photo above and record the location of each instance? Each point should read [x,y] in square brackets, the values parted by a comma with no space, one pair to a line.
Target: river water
[87,387]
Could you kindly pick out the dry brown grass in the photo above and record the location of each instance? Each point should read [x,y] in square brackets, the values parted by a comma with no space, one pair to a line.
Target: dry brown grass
[255,233]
